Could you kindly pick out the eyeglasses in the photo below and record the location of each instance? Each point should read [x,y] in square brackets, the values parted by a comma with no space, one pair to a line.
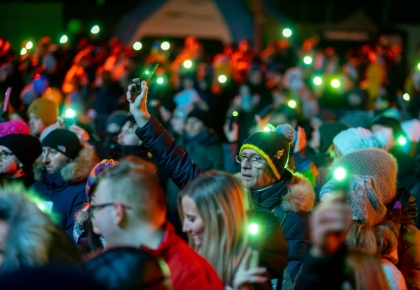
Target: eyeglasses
[256,161]
[94,208]
[5,154]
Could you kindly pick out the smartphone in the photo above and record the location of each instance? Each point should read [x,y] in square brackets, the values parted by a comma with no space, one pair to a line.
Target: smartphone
[256,241]
[147,75]
[7,99]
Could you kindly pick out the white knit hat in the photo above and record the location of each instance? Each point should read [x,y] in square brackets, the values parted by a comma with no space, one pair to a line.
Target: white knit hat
[353,139]
[412,129]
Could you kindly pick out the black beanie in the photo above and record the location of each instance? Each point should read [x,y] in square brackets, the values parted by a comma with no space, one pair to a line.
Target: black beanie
[273,146]
[203,116]
[64,141]
[389,122]
[327,132]
[26,148]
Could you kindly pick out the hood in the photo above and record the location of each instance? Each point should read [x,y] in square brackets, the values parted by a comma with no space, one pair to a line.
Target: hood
[300,196]
[76,171]
[293,191]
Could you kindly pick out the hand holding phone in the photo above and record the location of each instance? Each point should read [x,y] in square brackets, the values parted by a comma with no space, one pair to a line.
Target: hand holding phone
[146,76]
[246,274]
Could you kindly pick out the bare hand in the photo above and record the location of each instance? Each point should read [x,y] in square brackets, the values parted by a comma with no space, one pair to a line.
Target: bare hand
[261,122]
[244,277]
[137,102]
[330,223]
[231,135]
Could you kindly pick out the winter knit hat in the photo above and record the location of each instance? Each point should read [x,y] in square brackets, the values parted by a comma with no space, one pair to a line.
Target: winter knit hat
[93,176]
[26,148]
[356,119]
[273,146]
[377,163]
[354,139]
[364,197]
[118,117]
[389,122]
[65,141]
[14,127]
[45,109]
[327,132]
[201,115]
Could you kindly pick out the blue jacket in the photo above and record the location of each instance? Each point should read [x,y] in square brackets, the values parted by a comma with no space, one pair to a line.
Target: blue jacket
[290,199]
[66,189]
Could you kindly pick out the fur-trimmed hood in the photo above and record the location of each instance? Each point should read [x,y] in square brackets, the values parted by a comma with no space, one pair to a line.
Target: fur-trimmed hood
[294,192]
[300,196]
[76,171]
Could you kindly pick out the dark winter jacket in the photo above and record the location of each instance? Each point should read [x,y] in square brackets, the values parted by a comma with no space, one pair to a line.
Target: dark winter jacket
[66,189]
[128,268]
[322,273]
[290,199]
[409,239]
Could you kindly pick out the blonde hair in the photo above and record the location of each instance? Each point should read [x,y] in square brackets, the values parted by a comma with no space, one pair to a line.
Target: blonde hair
[364,271]
[379,240]
[135,182]
[220,201]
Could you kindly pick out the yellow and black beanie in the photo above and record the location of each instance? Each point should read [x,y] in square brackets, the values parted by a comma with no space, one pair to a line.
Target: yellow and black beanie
[273,146]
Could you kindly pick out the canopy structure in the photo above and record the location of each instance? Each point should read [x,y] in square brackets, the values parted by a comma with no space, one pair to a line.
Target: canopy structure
[226,20]
[208,19]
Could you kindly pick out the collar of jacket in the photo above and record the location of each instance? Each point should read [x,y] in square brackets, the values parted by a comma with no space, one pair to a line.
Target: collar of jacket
[293,191]
[168,232]
[54,180]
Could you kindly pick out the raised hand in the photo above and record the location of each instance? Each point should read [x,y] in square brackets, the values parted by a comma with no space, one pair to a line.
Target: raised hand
[138,101]
[244,277]
[330,223]
[231,134]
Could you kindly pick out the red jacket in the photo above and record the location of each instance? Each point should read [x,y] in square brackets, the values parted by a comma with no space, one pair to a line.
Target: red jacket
[188,269]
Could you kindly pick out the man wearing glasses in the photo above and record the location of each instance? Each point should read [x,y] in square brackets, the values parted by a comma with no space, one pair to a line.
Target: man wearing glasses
[128,207]
[263,158]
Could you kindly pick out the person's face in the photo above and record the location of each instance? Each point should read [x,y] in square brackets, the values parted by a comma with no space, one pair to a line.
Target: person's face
[102,217]
[127,136]
[244,91]
[355,99]
[194,127]
[253,177]
[113,128]
[187,83]
[381,104]
[4,230]
[193,224]
[54,160]
[9,165]
[36,125]
[178,125]
[315,141]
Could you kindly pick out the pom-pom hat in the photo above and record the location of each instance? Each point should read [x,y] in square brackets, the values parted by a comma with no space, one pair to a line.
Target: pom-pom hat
[273,146]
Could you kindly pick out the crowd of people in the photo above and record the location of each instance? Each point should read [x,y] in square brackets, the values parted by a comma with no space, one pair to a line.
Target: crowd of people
[289,168]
